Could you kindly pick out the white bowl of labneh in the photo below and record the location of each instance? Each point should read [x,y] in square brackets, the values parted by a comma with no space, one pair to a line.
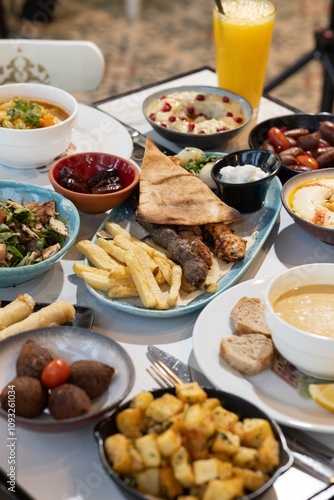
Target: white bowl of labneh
[299,308]
[199,116]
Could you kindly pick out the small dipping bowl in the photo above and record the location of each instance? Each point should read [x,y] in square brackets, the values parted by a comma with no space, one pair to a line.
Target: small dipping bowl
[246,196]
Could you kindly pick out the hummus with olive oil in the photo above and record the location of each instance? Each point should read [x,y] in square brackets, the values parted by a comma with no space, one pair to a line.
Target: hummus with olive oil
[314,202]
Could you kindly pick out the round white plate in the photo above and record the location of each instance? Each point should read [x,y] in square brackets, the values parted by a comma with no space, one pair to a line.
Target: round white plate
[266,389]
[97,131]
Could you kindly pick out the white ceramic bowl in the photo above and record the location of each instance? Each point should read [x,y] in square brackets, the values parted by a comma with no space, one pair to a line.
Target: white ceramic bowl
[36,147]
[310,353]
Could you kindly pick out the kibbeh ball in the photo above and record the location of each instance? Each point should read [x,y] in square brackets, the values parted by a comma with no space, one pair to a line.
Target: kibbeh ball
[92,376]
[68,401]
[32,359]
[30,396]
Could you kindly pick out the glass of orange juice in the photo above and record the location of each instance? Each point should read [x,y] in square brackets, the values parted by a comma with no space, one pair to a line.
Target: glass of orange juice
[242,40]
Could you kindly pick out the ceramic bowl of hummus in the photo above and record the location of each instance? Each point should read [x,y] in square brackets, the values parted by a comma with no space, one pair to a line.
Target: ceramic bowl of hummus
[198,116]
[309,200]
[299,309]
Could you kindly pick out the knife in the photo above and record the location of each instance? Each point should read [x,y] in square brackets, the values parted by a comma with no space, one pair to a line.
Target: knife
[316,460]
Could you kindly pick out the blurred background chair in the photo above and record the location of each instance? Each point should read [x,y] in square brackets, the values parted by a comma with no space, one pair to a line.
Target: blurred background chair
[73,65]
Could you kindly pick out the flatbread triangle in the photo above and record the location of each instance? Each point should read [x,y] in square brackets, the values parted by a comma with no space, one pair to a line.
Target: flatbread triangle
[168,194]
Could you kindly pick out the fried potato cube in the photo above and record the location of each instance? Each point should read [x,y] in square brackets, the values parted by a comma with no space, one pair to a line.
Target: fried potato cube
[168,442]
[269,453]
[211,403]
[116,448]
[211,468]
[199,418]
[238,428]
[255,431]
[169,486]
[226,489]
[129,422]
[183,471]
[253,479]
[191,393]
[164,408]
[246,457]
[148,481]
[226,442]
[142,400]
[224,419]
[148,448]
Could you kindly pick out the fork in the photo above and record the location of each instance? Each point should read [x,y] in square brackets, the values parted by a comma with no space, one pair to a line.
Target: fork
[163,375]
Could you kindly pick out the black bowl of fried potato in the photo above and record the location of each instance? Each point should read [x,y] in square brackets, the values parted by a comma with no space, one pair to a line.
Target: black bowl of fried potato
[151,446]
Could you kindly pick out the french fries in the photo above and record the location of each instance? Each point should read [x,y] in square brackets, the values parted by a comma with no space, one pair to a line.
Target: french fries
[127,267]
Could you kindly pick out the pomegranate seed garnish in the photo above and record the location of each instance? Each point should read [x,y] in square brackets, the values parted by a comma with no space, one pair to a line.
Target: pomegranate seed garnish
[308,153]
[229,113]
[200,97]
[225,98]
[284,129]
[202,132]
[152,116]
[183,118]
[221,129]
[166,107]
[163,125]
[191,127]
[190,109]
[172,118]
[238,119]
[278,149]
[162,97]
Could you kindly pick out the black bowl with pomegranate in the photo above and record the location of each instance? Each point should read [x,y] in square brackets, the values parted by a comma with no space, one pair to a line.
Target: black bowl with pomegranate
[304,141]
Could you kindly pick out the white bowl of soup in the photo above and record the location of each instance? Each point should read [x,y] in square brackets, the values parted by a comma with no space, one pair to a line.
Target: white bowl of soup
[36,124]
[299,308]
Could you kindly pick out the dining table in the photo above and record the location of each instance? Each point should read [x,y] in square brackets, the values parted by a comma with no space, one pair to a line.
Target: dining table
[65,465]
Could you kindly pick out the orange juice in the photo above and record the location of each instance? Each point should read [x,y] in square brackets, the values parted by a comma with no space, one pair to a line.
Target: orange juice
[242,40]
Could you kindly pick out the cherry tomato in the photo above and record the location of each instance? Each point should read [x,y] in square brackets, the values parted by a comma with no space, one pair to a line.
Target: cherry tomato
[278,139]
[55,373]
[307,161]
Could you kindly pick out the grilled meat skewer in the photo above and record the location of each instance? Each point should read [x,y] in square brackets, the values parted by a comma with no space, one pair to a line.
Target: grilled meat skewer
[223,242]
[194,268]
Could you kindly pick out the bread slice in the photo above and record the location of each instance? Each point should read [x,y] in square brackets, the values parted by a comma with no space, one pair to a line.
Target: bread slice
[248,317]
[249,354]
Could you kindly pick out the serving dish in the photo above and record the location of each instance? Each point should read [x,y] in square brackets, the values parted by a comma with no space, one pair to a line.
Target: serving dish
[22,192]
[278,398]
[202,141]
[308,121]
[71,343]
[261,221]
[84,316]
[243,408]
[322,233]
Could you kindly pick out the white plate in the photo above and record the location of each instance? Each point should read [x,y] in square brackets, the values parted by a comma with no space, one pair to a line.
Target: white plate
[97,131]
[266,389]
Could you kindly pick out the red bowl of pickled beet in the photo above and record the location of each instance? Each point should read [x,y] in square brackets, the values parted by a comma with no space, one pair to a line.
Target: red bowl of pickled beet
[95,182]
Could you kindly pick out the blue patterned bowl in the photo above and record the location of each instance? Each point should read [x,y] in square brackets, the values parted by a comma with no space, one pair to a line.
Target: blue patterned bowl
[26,193]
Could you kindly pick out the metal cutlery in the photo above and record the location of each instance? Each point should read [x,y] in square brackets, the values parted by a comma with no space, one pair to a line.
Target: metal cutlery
[309,455]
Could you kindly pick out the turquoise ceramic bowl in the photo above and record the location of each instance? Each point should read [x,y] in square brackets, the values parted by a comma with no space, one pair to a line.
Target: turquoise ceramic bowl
[26,193]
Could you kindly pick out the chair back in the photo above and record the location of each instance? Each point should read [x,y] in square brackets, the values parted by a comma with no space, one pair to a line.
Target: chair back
[72,65]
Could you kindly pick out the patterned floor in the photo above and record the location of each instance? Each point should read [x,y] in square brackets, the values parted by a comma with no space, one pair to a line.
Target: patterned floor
[170,37]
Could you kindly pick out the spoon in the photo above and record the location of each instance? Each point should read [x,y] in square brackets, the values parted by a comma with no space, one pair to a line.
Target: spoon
[219,6]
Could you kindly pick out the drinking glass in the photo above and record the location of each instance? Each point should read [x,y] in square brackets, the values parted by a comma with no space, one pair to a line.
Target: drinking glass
[242,41]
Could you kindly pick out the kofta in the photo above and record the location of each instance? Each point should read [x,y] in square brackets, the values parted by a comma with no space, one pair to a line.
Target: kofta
[32,359]
[92,376]
[29,395]
[68,401]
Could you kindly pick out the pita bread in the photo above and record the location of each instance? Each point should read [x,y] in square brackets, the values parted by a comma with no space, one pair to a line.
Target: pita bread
[168,194]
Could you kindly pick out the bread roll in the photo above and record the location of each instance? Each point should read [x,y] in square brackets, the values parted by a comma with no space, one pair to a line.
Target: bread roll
[57,313]
[17,310]
[249,354]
